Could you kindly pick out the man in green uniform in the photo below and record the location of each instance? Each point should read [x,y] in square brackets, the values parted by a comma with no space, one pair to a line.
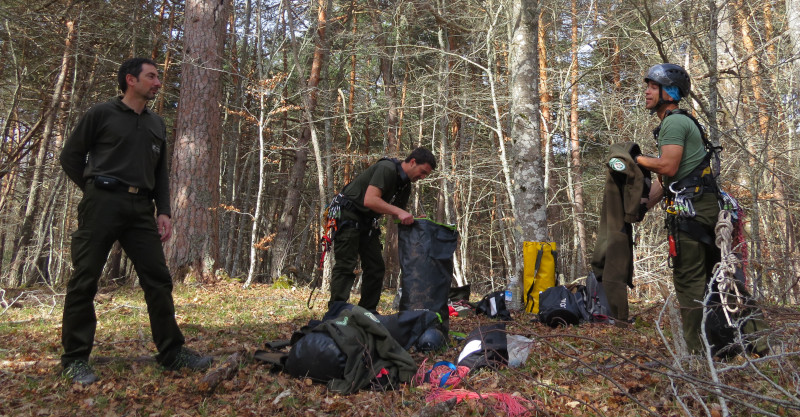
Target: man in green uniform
[117,156]
[691,192]
[383,188]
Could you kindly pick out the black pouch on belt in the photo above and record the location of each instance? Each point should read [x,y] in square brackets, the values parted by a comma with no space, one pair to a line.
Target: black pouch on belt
[106,183]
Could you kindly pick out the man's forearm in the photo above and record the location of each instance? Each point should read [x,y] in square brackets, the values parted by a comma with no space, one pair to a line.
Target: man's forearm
[379,206]
[74,166]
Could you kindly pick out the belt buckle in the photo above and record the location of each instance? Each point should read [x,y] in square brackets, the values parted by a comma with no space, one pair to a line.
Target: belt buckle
[133,190]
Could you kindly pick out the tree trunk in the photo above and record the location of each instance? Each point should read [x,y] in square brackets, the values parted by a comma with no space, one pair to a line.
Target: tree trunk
[793,27]
[763,114]
[237,147]
[33,208]
[528,204]
[577,171]
[282,243]
[390,255]
[546,100]
[194,247]
[348,163]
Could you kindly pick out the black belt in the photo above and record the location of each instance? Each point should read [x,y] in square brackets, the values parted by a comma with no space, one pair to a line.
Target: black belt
[113,184]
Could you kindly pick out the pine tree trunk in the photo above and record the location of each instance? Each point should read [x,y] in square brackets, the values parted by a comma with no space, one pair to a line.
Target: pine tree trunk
[194,247]
[577,170]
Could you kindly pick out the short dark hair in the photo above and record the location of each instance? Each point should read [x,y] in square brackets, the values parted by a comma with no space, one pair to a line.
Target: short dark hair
[422,156]
[133,67]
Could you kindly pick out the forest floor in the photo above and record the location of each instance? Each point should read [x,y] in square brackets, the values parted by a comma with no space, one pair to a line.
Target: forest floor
[586,370]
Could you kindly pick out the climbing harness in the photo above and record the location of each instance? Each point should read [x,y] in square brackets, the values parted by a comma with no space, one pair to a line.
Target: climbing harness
[679,200]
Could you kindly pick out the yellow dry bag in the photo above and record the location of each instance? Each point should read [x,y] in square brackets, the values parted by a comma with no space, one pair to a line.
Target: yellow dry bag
[539,272]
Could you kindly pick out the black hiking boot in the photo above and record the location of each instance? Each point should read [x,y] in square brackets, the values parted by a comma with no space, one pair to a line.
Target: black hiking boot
[80,371]
[191,360]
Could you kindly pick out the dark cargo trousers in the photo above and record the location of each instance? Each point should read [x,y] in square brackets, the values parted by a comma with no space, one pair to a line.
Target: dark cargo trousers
[106,216]
[693,268]
[348,245]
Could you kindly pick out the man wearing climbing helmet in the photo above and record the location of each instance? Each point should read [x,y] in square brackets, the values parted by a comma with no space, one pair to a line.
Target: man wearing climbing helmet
[689,186]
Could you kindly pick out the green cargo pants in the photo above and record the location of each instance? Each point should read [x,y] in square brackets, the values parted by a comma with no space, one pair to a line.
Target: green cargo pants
[349,244]
[693,268]
[106,216]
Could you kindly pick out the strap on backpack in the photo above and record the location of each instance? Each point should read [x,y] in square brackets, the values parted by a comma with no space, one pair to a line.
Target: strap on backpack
[539,256]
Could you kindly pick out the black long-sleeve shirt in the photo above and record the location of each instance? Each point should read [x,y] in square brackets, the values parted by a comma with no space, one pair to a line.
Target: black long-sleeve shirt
[114,141]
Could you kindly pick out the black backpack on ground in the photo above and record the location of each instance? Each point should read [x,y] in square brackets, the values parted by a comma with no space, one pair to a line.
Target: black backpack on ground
[596,301]
[558,306]
[494,306]
[486,346]
[744,333]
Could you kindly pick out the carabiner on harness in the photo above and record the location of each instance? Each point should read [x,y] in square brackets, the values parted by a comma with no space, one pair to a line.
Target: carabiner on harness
[672,190]
[730,204]
[681,203]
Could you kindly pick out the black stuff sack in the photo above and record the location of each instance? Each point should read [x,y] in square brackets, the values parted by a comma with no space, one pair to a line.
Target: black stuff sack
[494,306]
[407,327]
[316,356]
[425,250]
[372,357]
[485,346]
[558,307]
[457,294]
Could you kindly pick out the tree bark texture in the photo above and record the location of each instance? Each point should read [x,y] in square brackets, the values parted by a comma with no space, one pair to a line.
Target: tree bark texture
[529,204]
[577,170]
[194,248]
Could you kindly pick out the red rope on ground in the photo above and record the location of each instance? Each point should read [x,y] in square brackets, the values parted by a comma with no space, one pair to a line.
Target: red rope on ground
[509,404]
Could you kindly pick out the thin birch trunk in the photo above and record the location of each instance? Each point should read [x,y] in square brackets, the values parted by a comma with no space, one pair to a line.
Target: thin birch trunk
[530,207]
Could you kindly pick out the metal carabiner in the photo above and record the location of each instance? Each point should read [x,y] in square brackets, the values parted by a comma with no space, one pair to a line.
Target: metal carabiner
[729,203]
[673,191]
[689,212]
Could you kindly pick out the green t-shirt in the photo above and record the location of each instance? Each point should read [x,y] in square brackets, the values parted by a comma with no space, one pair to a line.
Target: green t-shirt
[383,175]
[679,129]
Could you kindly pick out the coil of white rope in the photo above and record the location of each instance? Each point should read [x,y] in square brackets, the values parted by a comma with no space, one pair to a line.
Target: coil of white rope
[725,269]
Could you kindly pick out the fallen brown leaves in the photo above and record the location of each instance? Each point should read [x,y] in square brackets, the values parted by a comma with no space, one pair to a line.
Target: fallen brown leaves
[580,371]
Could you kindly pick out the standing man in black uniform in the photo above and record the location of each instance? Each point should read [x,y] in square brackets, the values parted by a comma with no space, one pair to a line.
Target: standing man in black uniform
[117,156]
[383,188]
[691,190]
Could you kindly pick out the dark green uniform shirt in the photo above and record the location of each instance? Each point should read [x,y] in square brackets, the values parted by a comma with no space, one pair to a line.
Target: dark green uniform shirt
[113,140]
[384,175]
